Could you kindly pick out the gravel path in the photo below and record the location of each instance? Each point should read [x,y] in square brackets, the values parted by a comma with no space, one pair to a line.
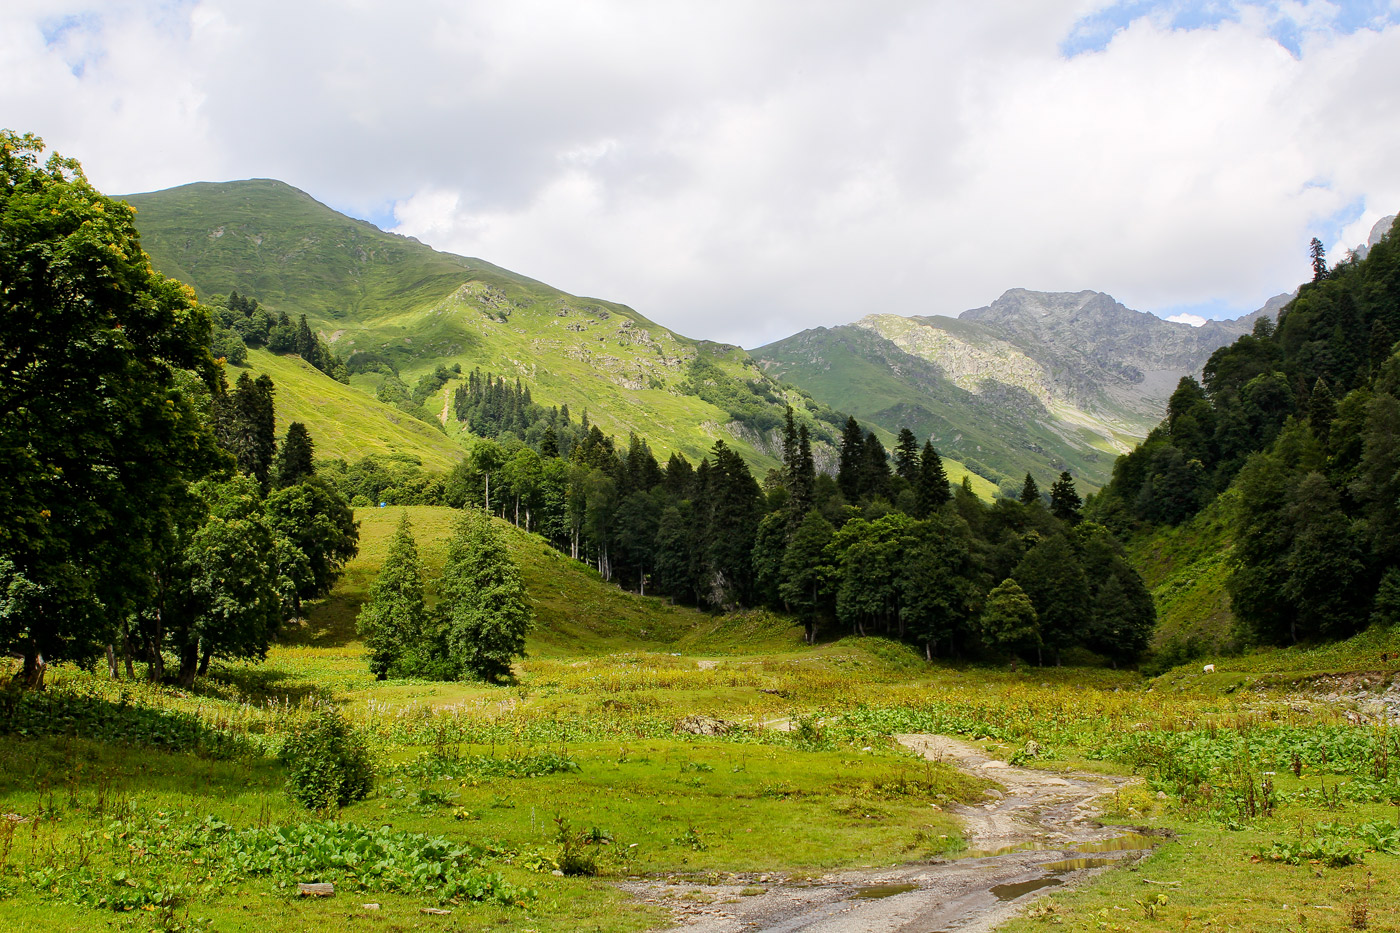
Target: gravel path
[1038,835]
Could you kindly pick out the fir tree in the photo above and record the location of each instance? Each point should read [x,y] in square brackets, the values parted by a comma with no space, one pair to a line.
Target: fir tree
[1322,408]
[875,472]
[931,486]
[1064,500]
[1050,574]
[851,460]
[802,481]
[295,458]
[483,611]
[805,585]
[392,621]
[906,456]
[1030,492]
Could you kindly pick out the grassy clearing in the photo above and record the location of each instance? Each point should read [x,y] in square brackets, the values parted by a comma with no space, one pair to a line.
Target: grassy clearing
[586,763]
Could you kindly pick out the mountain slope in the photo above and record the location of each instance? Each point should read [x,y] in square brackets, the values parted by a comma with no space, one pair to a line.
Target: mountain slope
[1035,382]
[369,291]
[344,422]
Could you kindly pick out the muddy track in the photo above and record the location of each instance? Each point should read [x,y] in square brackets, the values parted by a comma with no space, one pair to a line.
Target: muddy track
[1037,834]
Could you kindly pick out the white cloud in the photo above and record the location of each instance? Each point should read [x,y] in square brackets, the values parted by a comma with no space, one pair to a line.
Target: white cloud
[1195,320]
[741,171]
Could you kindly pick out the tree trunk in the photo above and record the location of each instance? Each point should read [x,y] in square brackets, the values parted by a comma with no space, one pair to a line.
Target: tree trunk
[112,662]
[189,664]
[204,662]
[127,652]
[32,676]
[928,651]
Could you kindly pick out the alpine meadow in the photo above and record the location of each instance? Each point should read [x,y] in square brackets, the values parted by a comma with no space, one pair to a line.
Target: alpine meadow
[348,583]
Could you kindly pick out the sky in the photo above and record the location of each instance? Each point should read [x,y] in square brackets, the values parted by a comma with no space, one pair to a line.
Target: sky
[740,170]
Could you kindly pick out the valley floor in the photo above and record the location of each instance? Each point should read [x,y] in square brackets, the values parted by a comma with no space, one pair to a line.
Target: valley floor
[645,760]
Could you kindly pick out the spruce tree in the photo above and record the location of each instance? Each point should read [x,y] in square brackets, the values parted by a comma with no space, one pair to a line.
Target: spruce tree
[807,576]
[1050,574]
[931,486]
[392,621]
[1319,259]
[1064,500]
[875,472]
[1030,492]
[295,458]
[484,611]
[802,481]
[1322,409]
[851,460]
[906,456]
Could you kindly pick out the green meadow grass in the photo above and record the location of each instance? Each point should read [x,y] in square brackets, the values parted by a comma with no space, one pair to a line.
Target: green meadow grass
[611,684]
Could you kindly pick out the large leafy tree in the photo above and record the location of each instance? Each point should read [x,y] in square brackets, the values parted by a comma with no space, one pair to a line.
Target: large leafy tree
[484,611]
[316,520]
[217,594]
[99,427]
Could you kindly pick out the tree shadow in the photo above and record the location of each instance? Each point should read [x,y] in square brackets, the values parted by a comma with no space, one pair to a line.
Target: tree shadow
[328,623]
[258,685]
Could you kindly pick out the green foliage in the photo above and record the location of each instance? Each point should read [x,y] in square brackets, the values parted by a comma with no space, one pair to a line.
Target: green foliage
[1009,621]
[328,762]
[483,610]
[295,456]
[104,367]
[315,518]
[393,620]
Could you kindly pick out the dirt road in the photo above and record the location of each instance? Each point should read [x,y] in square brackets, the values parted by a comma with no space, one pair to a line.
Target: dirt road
[1038,835]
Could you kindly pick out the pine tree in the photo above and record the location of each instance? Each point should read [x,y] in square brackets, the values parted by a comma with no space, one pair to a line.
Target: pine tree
[1030,492]
[931,486]
[484,611]
[906,456]
[392,621]
[1064,500]
[295,458]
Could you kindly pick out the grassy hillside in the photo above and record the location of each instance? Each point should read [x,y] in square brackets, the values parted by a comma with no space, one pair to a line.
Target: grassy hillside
[371,291]
[343,421]
[1000,434]
[576,612]
[1186,568]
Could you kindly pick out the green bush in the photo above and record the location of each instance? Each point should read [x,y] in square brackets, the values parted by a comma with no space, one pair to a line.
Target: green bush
[329,763]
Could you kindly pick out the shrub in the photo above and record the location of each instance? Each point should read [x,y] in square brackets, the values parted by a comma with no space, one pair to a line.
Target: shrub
[329,763]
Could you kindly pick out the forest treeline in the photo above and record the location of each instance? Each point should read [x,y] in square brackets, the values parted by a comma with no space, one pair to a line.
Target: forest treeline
[150,512]
[1299,423]
[885,546]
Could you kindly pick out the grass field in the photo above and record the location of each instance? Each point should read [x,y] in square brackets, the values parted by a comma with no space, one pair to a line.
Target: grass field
[130,806]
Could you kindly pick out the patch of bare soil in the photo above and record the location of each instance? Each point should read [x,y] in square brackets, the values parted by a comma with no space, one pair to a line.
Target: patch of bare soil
[1036,834]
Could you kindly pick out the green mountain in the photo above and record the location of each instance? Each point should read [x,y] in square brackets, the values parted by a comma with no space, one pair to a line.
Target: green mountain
[1036,382]
[367,291]
[1265,508]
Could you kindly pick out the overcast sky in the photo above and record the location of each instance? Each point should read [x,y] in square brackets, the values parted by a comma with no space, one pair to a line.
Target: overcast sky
[743,170]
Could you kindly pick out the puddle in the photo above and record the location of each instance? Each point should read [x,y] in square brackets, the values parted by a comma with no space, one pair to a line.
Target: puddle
[1120,843]
[1009,892]
[1007,850]
[1079,864]
[873,891]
